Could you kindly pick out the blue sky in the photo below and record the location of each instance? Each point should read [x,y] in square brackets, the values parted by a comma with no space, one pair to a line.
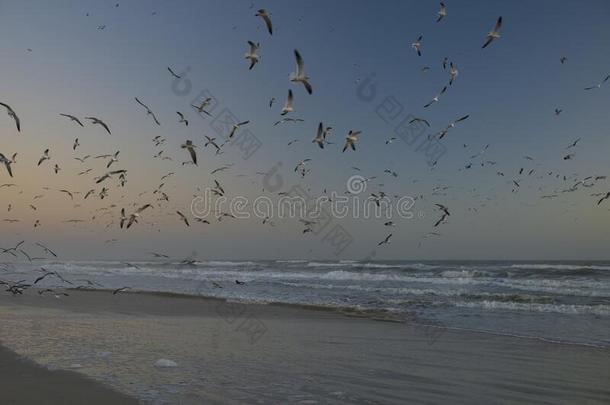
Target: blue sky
[510,91]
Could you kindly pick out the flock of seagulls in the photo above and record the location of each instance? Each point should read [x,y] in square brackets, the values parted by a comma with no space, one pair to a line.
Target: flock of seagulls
[127,217]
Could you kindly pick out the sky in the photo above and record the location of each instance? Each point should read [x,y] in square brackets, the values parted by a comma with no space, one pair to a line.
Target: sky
[55,59]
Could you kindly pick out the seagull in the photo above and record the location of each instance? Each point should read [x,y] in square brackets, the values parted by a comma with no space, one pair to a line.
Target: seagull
[133,217]
[452,125]
[251,54]
[76,144]
[417,45]
[597,86]
[604,198]
[11,113]
[419,120]
[7,164]
[73,118]
[100,122]
[56,168]
[558,111]
[148,111]
[563,59]
[45,156]
[494,33]
[271,102]
[46,249]
[299,76]
[435,99]
[453,73]
[301,164]
[173,74]
[118,290]
[113,159]
[442,12]
[181,215]
[445,214]
[211,141]
[182,119]
[109,175]
[350,140]
[239,282]
[191,148]
[288,105]
[319,139]
[385,241]
[236,127]
[201,108]
[262,13]
[573,143]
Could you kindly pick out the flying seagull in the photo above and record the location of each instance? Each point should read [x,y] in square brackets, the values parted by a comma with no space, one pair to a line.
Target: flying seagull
[99,122]
[262,13]
[11,113]
[7,164]
[73,118]
[299,76]
[417,45]
[350,140]
[236,127]
[494,33]
[251,55]
[604,198]
[181,215]
[436,98]
[442,12]
[319,139]
[385,241]
[173,74]
[288,105]
[182,119]
[148,111]
[597,86]
[45,156]
[445,214]
[191,148]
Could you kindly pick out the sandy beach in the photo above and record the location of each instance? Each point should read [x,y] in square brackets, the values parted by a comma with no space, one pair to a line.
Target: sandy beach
[236,353]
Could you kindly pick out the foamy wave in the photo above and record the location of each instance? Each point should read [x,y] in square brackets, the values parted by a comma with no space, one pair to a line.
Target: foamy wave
[601,310]
[539,266]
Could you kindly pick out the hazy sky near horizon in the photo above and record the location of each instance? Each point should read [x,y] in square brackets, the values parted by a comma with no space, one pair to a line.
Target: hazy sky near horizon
[510,91]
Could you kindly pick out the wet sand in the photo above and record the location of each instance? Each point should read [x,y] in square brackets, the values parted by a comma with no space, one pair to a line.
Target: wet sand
[24,382]
[236,353]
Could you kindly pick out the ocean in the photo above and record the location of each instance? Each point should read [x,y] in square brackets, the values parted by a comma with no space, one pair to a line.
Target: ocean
[557,301]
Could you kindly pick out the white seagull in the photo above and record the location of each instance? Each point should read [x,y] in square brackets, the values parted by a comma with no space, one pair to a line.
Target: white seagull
[417,45]
[251,55]
[494,33]
[350,140]
[262,13]
[299,76]
[288,105]
[441,13]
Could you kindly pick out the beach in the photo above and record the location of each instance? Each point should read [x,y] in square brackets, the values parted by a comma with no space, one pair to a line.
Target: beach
[226,352]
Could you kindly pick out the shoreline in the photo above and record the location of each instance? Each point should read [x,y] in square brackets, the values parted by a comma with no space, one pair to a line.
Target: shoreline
[229,352]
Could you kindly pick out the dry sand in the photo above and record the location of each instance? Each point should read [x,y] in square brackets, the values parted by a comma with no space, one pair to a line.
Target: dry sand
[235,353]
